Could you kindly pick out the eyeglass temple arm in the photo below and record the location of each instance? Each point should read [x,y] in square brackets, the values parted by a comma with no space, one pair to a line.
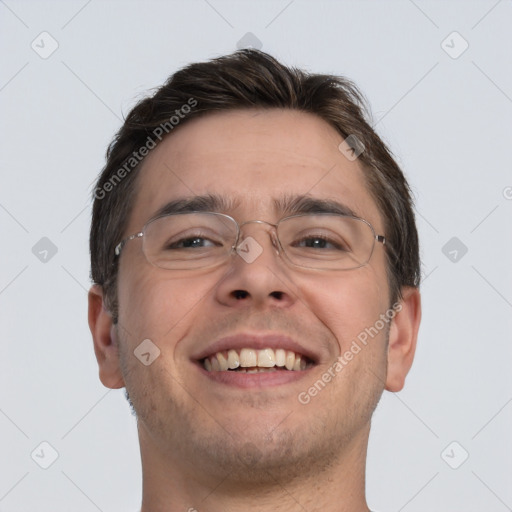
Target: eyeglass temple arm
[390,249]
[122,243]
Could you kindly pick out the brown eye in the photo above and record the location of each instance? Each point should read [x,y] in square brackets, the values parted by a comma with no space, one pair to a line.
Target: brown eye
[191,243]
[319,242]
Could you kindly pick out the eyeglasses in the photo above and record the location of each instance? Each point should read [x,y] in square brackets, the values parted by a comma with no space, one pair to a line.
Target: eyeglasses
[196,240]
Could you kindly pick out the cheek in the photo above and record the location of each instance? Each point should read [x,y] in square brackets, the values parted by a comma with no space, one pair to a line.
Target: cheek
[346,303]
[155,304]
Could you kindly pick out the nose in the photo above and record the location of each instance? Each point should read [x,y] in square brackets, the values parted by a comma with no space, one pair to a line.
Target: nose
[257,275]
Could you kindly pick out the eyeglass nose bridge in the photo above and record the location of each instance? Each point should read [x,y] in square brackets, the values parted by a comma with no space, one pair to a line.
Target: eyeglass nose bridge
[272,232]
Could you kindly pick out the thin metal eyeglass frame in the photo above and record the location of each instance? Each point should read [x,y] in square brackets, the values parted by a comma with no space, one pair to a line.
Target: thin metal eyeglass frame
[378,238]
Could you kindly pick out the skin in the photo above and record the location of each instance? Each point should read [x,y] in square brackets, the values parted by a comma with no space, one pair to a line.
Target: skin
[219,448]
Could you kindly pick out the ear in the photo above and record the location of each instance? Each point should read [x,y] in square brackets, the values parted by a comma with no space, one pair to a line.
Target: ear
[104,335]
[402,338]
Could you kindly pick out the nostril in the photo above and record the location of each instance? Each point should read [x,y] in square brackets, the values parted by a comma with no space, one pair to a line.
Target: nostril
[240,294]
[277,295]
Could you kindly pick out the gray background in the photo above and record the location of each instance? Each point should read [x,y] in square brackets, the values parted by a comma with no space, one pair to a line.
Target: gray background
[448,120]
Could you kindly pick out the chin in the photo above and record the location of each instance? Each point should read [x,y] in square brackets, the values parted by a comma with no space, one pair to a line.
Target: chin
[253,457]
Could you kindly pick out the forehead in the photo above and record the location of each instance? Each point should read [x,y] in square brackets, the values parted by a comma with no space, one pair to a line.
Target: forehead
[255,159]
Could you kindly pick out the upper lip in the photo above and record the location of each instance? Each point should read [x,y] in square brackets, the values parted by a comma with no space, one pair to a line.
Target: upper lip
[256,341]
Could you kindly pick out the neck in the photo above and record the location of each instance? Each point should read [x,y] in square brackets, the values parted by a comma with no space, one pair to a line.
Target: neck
[173,484]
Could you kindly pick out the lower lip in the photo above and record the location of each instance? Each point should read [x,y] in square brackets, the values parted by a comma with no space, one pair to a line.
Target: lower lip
[254,380]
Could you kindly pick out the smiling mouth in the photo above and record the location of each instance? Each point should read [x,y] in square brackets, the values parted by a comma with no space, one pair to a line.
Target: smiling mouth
[250,360]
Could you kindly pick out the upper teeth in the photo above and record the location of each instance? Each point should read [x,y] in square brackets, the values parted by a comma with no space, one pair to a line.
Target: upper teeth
[249,358]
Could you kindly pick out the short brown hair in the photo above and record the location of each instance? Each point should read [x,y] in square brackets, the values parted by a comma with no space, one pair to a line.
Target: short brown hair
[248,79]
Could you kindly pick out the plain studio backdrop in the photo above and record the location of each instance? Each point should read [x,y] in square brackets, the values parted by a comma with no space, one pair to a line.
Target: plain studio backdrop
[438,78]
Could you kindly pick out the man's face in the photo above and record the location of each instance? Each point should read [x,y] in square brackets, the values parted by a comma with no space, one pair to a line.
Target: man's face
[252,423]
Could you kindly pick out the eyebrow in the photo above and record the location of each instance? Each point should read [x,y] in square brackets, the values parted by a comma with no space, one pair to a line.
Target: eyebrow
[286,205]
[297,204]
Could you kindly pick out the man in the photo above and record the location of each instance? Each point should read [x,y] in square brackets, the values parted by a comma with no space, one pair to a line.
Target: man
[256,271]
